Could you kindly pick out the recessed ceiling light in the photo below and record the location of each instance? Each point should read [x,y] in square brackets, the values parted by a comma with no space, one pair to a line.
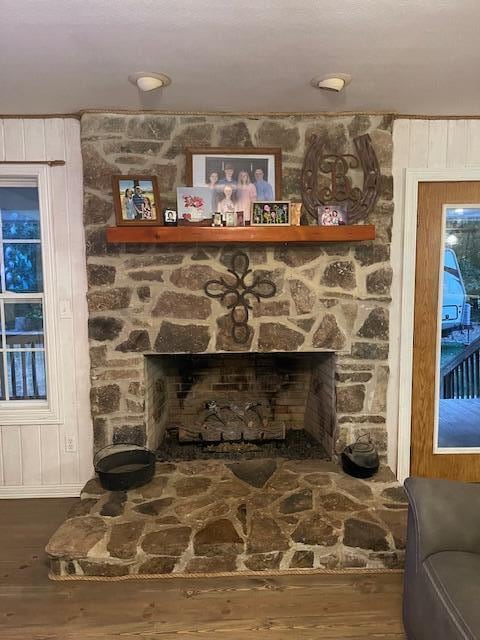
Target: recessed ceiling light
[332,82]
[147,81]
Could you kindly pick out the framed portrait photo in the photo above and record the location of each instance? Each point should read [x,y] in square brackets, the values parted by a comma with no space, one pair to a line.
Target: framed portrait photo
[136,200]
[332,215]
[170,218]
[217,220]
[270,213]
[235,177]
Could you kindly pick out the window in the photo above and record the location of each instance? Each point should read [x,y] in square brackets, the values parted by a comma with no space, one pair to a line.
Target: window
[22,343]
[29,306]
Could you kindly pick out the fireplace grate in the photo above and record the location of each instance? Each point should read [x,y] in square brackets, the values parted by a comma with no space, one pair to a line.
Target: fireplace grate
[298,444]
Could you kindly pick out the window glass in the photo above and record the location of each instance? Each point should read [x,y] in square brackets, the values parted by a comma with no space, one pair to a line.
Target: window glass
[459,362]
[23,267]
[26,375]
[24,324]
[22,342]
[20,213]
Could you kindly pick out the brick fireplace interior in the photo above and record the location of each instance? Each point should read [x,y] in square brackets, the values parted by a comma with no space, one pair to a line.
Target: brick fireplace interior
[249,398]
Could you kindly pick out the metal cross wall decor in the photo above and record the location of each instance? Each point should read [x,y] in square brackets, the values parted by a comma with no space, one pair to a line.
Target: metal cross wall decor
[235,294]
[359,202]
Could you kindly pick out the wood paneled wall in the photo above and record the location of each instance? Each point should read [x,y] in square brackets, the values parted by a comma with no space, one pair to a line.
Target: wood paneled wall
[33,460]
[419,144]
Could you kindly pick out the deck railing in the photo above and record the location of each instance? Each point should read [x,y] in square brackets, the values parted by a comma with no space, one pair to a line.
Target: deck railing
[26,366]
[24,378]
[460,378]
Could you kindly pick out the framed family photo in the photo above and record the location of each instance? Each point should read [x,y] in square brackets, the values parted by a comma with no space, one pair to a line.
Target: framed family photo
[332,215]
[136,200]
[235,177]
[270,213]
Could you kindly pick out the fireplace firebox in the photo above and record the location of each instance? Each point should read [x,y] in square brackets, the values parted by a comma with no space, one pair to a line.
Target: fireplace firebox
[224,402]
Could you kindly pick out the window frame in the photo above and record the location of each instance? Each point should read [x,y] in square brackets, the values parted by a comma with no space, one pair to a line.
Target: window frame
[16,412]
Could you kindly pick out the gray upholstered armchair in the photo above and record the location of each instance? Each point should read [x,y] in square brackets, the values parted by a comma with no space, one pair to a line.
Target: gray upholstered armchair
[442,573]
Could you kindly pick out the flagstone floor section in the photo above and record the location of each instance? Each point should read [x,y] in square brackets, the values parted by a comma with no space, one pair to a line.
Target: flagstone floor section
[221,516]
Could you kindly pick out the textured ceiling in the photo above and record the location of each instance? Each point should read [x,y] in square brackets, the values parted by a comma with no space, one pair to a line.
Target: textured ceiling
[61,56]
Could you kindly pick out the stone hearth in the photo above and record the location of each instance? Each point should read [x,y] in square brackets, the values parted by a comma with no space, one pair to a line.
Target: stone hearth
[220,516]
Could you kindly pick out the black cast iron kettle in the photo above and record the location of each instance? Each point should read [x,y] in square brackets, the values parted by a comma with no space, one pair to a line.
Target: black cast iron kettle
[361,458]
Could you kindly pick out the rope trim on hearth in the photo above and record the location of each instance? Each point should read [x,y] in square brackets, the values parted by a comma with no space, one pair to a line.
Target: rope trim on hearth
[228,574]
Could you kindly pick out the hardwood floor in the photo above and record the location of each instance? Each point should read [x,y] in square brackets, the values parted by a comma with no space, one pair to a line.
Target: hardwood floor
[354,607]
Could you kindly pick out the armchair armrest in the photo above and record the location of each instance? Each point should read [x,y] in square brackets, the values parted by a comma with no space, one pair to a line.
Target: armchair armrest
[445,516]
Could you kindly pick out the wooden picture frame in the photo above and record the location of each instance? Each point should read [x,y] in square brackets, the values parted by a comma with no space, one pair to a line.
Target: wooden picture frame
[127,211]
[261,169]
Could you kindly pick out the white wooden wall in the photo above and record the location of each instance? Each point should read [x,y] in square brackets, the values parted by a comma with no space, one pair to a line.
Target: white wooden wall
[419,144]
[33,458]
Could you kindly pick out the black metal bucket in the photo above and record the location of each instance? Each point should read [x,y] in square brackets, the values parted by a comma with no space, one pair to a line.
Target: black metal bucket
[124,466]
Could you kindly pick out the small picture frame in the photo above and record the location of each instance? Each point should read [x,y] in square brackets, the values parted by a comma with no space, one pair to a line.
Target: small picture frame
[217,220]
[270,213]
[295,213]
[332,215]
[230,219]
[170,218]
[194,204]
[136,199]
[240,219]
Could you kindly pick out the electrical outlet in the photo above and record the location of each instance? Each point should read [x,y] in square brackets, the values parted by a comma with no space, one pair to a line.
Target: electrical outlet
[70,444]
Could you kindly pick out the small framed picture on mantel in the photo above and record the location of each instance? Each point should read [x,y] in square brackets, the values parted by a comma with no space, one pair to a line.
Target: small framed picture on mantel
[271,214]
[332,215]
[136,200]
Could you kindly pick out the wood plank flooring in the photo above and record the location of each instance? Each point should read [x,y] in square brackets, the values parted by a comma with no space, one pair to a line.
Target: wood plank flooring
[353,607]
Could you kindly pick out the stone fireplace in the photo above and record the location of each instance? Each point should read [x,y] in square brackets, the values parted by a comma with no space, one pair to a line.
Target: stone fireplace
[149,312]
[164,363]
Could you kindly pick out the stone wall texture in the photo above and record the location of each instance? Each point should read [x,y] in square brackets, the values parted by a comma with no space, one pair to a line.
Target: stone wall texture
[146,299]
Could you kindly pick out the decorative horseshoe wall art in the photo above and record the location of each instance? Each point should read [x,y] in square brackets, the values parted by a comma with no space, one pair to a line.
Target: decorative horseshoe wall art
[359,202]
